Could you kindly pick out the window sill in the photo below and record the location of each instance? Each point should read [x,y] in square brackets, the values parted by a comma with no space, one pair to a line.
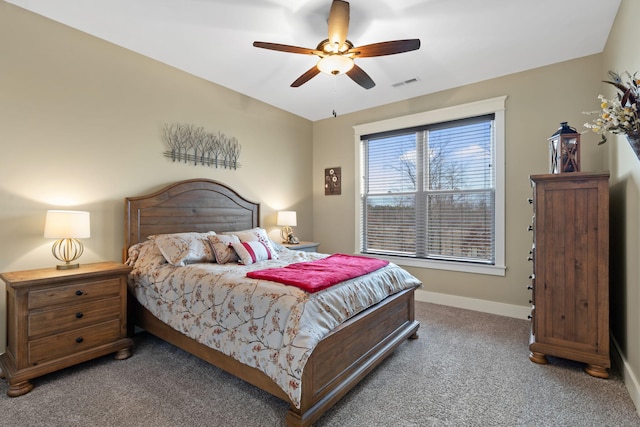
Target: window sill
[494,270]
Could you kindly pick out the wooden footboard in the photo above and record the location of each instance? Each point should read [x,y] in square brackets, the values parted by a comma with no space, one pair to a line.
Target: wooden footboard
[336,365]
[350,352]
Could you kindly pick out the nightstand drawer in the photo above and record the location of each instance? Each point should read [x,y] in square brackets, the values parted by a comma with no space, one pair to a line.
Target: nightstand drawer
[73,293]
[69,343]
[73,316]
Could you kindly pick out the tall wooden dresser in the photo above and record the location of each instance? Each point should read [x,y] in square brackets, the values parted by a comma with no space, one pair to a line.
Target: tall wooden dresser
[570,279]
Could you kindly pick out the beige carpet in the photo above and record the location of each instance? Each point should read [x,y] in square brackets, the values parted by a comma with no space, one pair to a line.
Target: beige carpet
[467,369]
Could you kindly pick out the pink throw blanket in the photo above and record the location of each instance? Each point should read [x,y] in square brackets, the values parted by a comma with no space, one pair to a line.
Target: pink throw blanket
[314,276]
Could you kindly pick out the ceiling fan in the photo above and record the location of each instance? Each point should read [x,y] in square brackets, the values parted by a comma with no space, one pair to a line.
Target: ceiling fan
[337,54]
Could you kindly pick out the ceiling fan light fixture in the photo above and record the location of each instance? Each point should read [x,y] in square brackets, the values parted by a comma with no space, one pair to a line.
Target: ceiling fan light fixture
[335,64]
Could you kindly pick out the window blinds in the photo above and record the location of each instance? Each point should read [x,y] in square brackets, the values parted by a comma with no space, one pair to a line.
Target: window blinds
[429,192]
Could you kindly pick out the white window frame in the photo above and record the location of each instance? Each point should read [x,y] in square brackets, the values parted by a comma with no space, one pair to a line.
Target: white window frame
[463,111]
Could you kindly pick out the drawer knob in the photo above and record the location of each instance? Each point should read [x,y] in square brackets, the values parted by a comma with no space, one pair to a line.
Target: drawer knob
[79,292]
[79,315]
[79,340]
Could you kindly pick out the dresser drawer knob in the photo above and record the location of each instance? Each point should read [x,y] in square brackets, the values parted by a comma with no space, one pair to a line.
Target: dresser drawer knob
[79,315]
[79,340]
[79,292]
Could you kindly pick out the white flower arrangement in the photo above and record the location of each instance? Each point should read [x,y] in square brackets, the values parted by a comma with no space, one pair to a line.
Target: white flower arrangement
[618,115]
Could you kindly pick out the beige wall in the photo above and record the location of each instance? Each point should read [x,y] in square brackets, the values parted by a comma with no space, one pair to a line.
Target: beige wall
[537,101]
[80,128]
[622,54]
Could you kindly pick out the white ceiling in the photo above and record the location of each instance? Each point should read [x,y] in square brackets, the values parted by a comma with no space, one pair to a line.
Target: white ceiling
[463,41]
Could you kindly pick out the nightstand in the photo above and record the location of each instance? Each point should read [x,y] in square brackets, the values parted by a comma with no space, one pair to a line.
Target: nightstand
[303,246]
[59,318]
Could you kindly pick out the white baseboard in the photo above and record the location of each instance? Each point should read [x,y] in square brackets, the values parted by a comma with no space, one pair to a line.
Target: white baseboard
[628,376]
[502,309]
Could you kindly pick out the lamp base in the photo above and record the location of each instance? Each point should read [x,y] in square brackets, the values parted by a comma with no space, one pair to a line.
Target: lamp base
[67,250]
[285,232]
[67,266]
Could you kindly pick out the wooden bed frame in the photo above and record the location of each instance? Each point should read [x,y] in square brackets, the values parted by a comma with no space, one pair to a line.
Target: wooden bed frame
[339,361]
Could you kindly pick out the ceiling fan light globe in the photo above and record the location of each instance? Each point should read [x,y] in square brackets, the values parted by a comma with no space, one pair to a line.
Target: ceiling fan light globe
[335,64]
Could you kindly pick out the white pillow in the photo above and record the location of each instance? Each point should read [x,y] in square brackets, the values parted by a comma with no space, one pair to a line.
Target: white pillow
[256,234]
[252,252]
[180,249]
[222,249]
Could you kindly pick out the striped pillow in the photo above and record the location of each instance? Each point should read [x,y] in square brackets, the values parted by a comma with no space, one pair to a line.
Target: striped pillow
[257,233]
[252,252]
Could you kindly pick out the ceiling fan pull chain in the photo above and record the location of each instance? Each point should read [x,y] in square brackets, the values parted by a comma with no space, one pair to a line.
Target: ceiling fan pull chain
[335,95]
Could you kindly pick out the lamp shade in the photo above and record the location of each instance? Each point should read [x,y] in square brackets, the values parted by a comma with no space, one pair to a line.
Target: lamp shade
[67,224]
[286,218]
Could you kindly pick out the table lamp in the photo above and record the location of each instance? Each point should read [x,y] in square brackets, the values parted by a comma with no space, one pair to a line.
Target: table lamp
[287,219]
[67,227]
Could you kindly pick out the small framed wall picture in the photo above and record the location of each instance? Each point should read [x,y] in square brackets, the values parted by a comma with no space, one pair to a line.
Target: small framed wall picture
[332,181]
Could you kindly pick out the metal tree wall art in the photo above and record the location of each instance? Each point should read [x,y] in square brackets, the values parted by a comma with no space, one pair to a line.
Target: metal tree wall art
[193,144]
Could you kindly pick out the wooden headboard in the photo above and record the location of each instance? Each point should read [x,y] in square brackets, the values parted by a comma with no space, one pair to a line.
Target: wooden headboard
[192,205]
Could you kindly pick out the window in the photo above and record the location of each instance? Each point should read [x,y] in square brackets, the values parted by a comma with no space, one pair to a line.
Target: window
[432,188]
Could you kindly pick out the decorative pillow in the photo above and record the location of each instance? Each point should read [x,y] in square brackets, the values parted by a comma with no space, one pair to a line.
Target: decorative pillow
[180,249]
[256,234]
[252,252]
[222,249]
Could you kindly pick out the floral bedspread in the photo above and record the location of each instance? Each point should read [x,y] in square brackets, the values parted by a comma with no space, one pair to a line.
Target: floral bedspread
[265,325]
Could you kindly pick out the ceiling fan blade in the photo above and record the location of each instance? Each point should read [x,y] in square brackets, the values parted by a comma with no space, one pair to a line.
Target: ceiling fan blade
[287,48]
[338,23]
[386,48]
[311,73]
[358,75]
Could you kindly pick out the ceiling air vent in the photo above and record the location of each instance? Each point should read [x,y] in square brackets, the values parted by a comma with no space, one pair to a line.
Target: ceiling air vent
[406,82]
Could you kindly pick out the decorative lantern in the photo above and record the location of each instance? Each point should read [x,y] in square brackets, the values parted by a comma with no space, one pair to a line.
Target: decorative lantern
[564,150]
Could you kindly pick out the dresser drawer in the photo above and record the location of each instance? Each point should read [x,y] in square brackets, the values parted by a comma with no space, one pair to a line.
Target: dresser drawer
[73,316]
[72,342]
[73,293]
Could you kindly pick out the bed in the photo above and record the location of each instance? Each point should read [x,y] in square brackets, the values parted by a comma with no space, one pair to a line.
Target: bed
[336,363]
